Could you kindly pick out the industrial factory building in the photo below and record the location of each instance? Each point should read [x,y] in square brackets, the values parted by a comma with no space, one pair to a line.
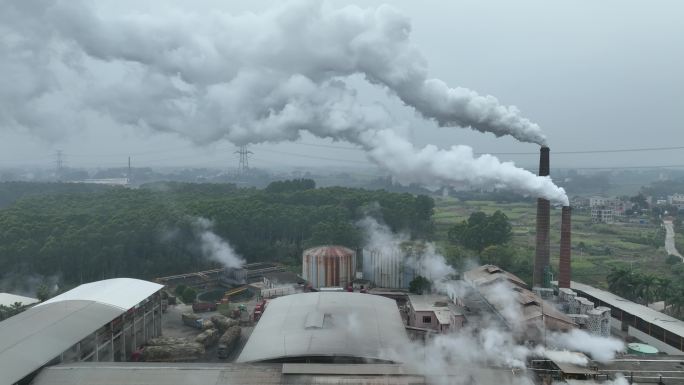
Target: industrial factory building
[329,266]
[651,326]
[533,310]
[434,312]
[99,321]
[326,327]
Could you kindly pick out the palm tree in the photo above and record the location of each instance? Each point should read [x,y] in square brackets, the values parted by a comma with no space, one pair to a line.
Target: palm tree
[662,290]
[676,300]
[620,281]
[645,287]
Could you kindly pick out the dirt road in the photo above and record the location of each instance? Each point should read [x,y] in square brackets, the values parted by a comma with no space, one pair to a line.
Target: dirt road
[670,240]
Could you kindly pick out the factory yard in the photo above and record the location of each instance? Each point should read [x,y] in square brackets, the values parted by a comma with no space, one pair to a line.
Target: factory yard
[596,248]
[173,326]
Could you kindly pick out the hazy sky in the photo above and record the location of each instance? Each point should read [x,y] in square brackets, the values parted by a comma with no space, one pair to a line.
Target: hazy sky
[593,75]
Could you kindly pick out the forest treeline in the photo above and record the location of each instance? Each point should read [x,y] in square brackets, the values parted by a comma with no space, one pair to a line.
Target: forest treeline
[82,233]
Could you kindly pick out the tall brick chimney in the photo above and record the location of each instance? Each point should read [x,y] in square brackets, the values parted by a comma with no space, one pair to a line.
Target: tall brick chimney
[565,272]
[542,258]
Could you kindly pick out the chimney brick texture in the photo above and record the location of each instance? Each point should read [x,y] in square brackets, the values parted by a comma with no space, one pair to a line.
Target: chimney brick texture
[542,253]
[565,272]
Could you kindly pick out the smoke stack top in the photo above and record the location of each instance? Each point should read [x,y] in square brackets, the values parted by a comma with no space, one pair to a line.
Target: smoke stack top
[544,162]
[564,268]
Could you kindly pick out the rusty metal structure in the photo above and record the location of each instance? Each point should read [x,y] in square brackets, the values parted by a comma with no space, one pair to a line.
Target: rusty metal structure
[541,258]
[566,234]
[328,266]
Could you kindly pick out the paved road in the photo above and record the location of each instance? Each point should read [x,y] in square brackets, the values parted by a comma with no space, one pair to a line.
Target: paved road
[670,240]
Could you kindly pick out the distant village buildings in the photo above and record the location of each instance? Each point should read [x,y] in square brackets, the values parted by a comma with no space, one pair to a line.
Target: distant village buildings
[608,210]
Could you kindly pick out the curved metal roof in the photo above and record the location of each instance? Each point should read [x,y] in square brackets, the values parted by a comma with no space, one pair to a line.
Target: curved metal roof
[329,251]
[326,324]
[123,293]
[33,338]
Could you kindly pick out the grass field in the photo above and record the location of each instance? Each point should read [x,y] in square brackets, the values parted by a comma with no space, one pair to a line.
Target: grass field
[596,248]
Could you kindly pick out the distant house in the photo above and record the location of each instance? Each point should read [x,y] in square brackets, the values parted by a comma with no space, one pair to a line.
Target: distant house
[676,200]
[602,215]
[607,210]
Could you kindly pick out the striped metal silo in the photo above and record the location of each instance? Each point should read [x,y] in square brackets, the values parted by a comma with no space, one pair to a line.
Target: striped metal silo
[329,266]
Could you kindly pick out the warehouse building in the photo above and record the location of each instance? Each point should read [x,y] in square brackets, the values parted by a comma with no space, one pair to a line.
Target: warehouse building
[326,327]
[125,373]
[531,310]
[648,325]
[99,321]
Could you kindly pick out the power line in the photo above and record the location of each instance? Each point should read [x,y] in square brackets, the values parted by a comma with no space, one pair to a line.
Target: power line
[605,151]
[316,157]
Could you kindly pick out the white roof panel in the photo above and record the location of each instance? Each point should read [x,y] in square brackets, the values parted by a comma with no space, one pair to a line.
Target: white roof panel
[123,293]
[7,299]
[333,324]
[34,337]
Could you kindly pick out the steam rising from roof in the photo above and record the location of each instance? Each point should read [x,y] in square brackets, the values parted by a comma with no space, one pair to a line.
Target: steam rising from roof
[250,78]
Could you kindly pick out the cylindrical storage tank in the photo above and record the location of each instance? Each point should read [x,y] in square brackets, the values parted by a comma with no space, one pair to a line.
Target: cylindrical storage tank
[387,268]
[641,349]
[329,266]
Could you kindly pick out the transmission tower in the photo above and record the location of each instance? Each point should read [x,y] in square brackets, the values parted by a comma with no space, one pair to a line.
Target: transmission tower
[59,164]
[243,164]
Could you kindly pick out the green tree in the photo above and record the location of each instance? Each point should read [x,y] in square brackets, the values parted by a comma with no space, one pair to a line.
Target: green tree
[179,290]
[420,285]
[499,255]
[43,293]
[189,295]
[672,259]
[482,230]
[621,281]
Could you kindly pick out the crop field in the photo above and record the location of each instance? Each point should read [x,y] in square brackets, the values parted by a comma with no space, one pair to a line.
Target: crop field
[596,248]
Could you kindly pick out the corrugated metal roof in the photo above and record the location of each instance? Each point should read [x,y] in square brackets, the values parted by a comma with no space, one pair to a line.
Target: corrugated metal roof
[647,314]
[7,299]
[329,251]
[489,274]
[145,373]
[123,293]
[531,304]
[34,337]
[352,325]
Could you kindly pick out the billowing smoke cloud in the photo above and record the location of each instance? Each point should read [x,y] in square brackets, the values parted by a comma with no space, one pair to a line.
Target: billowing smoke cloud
[601,349]
[486,348]
[250,78]
[214,247]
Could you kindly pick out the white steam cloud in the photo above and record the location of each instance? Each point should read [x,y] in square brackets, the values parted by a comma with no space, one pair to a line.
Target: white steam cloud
[249,78]
[602,349]
[214,247]
[485,349]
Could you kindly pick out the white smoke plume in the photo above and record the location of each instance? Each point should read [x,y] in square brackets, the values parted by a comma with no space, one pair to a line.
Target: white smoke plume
[248,78]
[214,247]
[601,349]
[485,348]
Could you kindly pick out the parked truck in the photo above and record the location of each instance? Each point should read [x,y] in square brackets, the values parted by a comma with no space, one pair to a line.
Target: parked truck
[199,307]
[197,322]
[228,341]
[259,310]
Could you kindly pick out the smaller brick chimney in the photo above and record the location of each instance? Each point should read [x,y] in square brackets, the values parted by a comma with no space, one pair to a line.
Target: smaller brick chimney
[565,272]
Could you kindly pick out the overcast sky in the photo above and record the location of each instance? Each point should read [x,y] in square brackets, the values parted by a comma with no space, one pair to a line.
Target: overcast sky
[593,75]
